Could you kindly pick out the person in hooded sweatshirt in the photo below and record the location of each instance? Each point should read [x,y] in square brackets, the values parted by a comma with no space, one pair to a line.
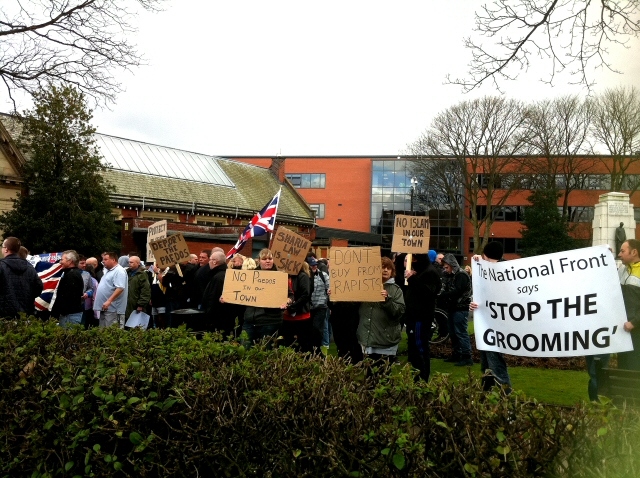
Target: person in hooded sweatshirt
[455,299]
[423,287]
[19,281]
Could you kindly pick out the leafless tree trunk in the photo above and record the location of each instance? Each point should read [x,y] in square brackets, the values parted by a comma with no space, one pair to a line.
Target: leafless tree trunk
[616,127]
[557,137]
[573,34]
[470,146]
[78,42]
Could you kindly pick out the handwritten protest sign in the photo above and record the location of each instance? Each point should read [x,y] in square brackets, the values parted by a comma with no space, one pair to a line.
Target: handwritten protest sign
[170,250]
[157,230]
[556,305]
[411,234]
[356,274]
[289,250]
[255,288]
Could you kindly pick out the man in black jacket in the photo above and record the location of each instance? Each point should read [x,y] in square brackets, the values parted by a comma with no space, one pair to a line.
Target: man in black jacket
[217,315]
[67,302]
[19,281]
[455,299]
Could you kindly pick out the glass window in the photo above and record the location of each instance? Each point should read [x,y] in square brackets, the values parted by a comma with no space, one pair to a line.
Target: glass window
[318,209]
[295,179]
[376,178]
[378,165]
[306,181]
[389,165]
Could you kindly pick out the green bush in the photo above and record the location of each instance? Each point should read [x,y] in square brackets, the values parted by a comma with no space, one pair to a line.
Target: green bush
[161,403]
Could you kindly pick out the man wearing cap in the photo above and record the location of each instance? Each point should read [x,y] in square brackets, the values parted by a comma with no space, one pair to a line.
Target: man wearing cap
[492,364]
[320,291]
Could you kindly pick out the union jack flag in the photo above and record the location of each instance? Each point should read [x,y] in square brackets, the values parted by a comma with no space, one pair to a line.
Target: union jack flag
[260,224]
[50,275]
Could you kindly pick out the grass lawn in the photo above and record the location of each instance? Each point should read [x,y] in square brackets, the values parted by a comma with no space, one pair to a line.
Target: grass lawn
[560,387]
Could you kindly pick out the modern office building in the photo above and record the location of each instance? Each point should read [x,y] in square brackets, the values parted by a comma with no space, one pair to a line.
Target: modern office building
[357,197]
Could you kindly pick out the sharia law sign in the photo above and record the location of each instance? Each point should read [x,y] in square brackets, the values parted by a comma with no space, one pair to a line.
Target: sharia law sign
[411,234]
[564,304]
[170,250]
[255,288]
[356,274]
[289,250]
[157,230]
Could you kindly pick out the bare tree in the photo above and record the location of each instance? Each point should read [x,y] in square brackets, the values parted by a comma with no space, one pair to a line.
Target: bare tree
[616,127]
[571,34]
[557,136]
[469,158]
[78,42]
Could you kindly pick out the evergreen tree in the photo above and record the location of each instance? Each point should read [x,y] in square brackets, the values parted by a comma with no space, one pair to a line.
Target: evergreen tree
[65,200]
[545,229]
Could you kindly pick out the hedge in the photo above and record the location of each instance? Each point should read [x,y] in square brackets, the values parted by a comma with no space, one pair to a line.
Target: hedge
[164,403]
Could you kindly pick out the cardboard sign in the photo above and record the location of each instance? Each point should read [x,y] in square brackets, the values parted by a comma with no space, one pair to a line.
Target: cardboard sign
[411,234]
[289,250]
[356,274]
[565,304]
[157,230]
[255,288]
[170,250]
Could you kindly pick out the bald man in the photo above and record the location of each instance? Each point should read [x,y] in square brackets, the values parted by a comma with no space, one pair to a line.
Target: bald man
[139,289]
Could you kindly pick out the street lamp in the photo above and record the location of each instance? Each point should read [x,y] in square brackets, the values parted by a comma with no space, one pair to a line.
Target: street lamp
[414,183]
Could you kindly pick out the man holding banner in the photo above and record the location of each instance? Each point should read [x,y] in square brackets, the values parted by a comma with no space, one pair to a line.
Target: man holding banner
[629,274]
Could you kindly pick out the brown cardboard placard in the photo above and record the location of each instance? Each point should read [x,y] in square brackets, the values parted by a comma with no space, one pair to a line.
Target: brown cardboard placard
[411,234]
[255,288]
[157,230]
[356,274]
[170,250]
[289,250]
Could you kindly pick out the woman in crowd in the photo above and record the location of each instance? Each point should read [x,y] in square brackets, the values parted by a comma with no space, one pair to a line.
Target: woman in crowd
[297,326]
[379,327]
[423,287]
[260,322]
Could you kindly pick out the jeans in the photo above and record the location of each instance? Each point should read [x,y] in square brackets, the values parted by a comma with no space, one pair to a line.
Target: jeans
[257,332]
[319,317]
[418,342]
[70,320]
[592,388]
[458,324]
[494,362]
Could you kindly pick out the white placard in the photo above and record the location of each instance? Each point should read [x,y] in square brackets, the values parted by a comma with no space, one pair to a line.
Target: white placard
[557,305]
[138,319]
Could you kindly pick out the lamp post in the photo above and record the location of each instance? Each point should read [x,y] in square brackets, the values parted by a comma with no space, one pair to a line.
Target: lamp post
[414,183]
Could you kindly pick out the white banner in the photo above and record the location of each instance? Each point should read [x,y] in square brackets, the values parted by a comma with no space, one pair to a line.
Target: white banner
[556,305]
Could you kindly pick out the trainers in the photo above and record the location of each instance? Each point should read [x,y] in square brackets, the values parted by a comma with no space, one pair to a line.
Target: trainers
[465,362]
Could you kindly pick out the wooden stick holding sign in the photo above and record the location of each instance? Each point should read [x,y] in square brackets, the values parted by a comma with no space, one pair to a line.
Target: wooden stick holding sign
[255,288]
[356,274]
[289,250]
[170,250]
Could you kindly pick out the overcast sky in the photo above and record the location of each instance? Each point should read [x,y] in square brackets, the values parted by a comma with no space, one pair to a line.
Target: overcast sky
[298,77]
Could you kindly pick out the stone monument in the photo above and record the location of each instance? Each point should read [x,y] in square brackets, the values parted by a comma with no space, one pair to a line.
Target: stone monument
[613,218]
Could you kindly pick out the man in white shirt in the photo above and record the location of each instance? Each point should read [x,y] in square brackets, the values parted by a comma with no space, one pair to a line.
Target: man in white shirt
[111,297]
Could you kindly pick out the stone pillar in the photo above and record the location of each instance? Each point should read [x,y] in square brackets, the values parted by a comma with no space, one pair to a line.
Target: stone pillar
[612,209]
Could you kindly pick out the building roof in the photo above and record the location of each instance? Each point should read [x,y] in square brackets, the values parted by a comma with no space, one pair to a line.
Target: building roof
[134,156]
[168,178]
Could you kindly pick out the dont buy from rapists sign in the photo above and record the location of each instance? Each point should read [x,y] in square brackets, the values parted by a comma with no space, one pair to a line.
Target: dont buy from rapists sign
[356,274]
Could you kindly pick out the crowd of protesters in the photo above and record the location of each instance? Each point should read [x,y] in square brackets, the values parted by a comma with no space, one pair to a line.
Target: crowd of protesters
[107,292]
